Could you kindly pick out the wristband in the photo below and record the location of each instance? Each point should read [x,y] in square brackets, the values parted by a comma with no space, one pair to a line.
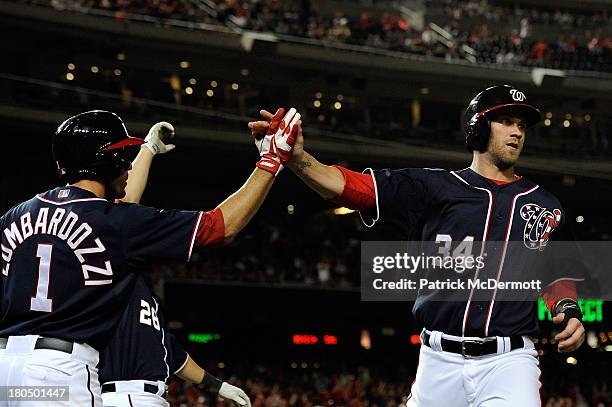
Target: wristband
[210,383]
[270,163]
[570,309]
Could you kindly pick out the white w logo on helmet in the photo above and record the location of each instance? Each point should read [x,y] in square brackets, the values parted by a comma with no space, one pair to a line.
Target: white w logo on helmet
[517,95]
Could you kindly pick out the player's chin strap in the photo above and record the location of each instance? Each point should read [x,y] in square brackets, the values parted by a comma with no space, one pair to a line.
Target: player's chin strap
[570,309]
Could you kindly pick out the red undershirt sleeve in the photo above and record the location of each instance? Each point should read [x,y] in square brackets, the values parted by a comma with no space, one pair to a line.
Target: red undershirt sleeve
[211,228]
[358,191]
[558,291]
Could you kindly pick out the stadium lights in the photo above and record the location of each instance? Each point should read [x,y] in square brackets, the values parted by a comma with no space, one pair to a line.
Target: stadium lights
[608,348]
[591,339]
[203,337]
[365,341]
[549,115]
[235,86]
[318,95]
[568,116]
[388,331]
[547,122]
[192,81]
[213,84]
[316,103]
[290,209]
[210,93]
[221,365]
[424,91]
[305,339]
[304,365]
[121,56]
[244,72]
[117,72]
[572,361]
[184,64]
[189,90]
[94,69]
[337,105]
[343,211]
[330,339]
[566,123]
[71,66]
[293,365]
[340,97]
[580,219]
[69,76]
[587,117]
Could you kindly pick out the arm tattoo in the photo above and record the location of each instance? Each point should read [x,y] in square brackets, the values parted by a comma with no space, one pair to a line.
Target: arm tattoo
[302,165]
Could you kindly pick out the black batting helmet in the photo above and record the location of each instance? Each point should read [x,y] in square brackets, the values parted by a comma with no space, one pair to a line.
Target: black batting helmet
[93,145]
[477,125]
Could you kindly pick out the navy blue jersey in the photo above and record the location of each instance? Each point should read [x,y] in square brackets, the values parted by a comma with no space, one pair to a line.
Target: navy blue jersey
[434,205]
[65,257]
[141,348]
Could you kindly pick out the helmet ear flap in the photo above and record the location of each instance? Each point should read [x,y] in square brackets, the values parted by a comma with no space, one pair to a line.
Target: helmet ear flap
[477,132]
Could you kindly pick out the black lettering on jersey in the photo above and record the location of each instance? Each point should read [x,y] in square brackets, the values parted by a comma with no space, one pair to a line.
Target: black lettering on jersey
[64,226]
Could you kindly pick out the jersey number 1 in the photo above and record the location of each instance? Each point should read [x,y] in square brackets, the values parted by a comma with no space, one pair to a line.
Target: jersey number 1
[41,302]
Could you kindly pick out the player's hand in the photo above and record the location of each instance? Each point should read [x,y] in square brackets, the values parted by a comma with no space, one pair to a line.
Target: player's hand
[260,128]
[158,136]
[286,134]
[572,337]
[235,394]
[275,145]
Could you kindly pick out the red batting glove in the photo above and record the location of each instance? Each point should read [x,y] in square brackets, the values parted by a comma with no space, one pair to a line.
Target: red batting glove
[276,146]
[269,161]
[285,136]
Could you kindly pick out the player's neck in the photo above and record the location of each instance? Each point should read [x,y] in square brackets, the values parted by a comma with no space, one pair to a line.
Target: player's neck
[484,167]
[95,187]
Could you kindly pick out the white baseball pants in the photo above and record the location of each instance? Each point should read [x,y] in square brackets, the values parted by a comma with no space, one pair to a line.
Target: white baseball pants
[508,379]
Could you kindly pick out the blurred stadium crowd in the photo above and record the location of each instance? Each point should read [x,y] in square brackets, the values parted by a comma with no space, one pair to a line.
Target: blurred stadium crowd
[324,252]
[361,387]
[321,251]
[501,34]
[273,388]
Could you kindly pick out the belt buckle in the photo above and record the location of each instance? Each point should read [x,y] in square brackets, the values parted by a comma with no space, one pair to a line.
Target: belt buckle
[471,341]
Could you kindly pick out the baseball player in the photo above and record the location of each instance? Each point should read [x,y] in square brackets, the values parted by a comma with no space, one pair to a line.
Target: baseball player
[474,353]
[142,355]
[66,253]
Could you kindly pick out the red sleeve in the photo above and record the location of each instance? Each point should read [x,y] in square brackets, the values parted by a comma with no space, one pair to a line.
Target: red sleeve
[358,191]
[210,229]
[558,291]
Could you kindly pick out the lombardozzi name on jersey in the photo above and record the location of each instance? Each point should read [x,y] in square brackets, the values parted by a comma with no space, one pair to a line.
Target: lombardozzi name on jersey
[64,225]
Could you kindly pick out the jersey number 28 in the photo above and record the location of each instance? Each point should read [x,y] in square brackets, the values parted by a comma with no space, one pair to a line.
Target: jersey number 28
[148,315]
